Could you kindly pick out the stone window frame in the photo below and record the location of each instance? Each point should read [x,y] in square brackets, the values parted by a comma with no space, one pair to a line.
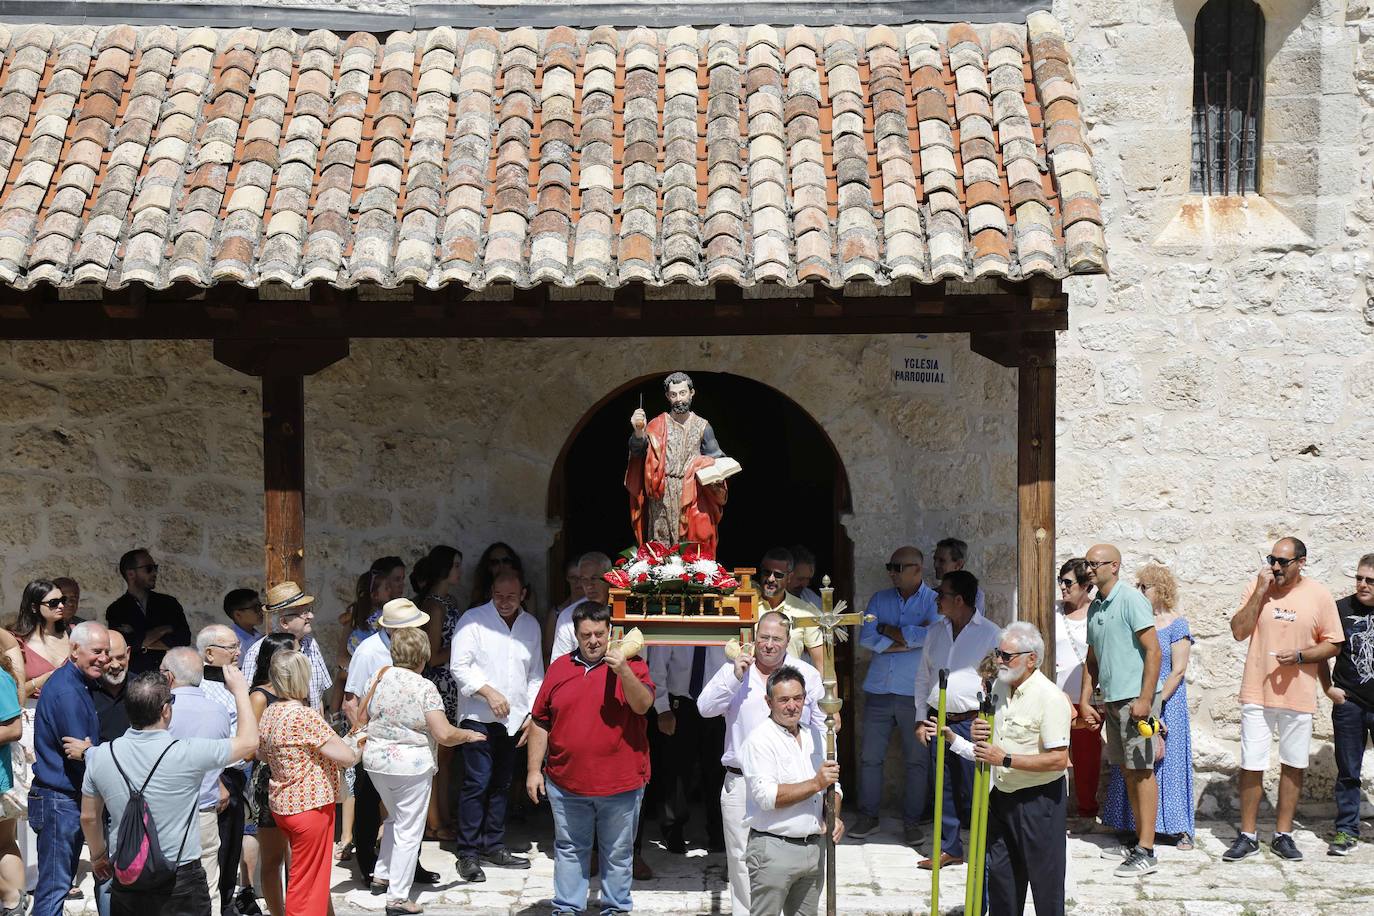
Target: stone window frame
[1228,97]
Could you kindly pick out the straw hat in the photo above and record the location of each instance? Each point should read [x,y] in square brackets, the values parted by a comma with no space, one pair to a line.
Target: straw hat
[400,613]
[286,595]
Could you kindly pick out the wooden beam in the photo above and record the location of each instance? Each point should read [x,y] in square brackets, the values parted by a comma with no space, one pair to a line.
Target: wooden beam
[1035,570]
[282,365]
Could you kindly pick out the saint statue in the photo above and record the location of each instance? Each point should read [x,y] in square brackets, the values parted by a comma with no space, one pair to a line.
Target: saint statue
[676,473]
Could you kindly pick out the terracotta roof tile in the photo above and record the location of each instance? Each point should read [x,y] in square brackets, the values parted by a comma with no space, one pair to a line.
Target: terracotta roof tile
[559,156]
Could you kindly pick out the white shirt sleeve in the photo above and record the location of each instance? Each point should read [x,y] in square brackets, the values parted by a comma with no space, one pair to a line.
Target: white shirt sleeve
[658,673]
[719,691]
[760,768]
[463,659]
[564,638]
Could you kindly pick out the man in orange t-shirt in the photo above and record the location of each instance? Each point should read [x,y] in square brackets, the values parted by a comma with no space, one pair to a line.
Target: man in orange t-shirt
[1293,628]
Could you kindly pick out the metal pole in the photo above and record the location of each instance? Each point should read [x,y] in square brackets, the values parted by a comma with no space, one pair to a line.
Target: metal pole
[939,795]
[977,866]
[830,705]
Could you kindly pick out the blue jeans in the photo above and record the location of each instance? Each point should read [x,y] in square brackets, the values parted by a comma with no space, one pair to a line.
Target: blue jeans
[577,819]
[486,789]
[884,712]
[56,818]
[958,793]
[1351,726]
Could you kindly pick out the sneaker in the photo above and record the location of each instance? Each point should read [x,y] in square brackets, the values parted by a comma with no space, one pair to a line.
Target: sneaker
[913,835]
[470,871]
[502,858]
[1343,844]
[1285,848]
[1242,848]
[865,826]
[1116,851]
[1137,865]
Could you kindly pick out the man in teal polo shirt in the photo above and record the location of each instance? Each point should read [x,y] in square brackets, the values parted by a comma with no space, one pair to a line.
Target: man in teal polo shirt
[1123,659]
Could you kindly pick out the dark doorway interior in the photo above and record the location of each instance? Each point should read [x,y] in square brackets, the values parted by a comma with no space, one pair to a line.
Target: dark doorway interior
[785,495]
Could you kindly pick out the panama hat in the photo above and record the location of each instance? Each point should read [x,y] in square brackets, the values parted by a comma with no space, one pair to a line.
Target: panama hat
[400,613]
[286,595]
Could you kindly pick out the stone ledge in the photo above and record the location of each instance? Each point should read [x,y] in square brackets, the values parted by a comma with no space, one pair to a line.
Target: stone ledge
[1204,225]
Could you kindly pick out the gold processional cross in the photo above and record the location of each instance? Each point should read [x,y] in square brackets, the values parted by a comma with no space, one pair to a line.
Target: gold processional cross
[832,621]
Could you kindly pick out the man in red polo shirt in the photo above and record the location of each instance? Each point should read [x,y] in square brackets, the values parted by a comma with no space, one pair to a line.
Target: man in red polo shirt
[589,717]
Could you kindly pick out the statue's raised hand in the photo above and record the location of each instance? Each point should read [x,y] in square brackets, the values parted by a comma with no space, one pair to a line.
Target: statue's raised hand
[638,420]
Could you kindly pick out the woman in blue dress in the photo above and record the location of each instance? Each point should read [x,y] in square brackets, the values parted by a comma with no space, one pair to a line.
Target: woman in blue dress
[1174,771]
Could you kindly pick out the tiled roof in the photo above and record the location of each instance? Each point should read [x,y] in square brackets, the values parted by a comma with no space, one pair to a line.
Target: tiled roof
[158,155]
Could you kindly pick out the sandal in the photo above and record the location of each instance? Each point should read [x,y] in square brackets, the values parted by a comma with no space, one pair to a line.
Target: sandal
[1185,842]
[344,852]
[442,835]
[404,908]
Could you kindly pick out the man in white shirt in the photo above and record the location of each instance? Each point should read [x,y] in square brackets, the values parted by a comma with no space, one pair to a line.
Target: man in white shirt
[737,692]
[692,745]
[950,556]
[787,777]
[958,641]
[498,662]
[590,568]
[372,655]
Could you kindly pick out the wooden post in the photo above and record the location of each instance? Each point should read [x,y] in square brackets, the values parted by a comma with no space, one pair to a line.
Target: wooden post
[282,366]
[1035,572]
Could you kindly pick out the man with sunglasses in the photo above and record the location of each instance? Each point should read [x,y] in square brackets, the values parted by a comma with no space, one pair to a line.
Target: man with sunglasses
[151,621]
[1350,687]
[1124,659]
[894,633]
[1293,628]
[807,643]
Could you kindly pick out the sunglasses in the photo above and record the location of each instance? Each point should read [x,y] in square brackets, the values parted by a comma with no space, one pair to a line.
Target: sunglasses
[1006,657]
[1067,583]
[898,567]
[1283,563]
[53,604]
[147,567]
[1364,580]
[773,574]
[1093,564]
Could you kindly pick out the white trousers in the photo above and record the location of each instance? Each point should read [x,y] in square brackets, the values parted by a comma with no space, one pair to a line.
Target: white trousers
[209,853]
[406,799]
[732,796]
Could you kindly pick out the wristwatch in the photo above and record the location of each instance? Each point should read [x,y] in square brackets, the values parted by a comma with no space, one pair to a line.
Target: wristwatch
[1006,761]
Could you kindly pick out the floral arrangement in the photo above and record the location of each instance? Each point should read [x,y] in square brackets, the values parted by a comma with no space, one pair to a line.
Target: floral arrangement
[657,567]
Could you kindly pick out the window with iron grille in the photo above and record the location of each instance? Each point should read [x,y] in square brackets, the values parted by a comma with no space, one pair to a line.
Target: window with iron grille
[1228,90]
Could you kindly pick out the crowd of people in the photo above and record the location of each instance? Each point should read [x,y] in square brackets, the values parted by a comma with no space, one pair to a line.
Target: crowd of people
[205,772]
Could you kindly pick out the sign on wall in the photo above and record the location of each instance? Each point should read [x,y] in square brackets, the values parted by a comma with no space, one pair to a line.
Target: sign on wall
[926,371]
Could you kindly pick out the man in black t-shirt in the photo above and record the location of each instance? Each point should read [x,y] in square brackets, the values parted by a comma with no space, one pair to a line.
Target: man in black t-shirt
[1350,687]
[151,621]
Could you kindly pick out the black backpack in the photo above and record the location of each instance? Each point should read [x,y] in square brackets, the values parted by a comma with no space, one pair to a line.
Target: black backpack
[139,864]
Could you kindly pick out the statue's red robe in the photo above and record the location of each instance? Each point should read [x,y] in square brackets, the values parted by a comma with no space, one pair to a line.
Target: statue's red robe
[700,512]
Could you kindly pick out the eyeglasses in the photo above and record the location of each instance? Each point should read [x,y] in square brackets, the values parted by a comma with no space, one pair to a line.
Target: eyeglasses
[773,574]
[147,567]
[1067,583]
[54,603]
[1364,580]
[285,617]
[229,648]
[172,700]
[898,567]
[254,608]
[940,596]
[1006,657]
[771,640]
[1093,564]
[1284,562]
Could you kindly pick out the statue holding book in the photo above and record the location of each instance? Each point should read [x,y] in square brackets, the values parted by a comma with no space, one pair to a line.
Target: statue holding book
[676,473]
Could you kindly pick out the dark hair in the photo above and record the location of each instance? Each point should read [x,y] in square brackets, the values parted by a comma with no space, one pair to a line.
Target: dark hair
[30,619]
[383,566]
[431,569]
[778,553]
[1366,560]
[590,610]
[1079,567]
[237,598]
[964,584]
[1299,548]
[677,378]
[272,643]
[144,697]
[361,609]
[129,560]
[957,549]
[785,673]
[482,577]
[802,555]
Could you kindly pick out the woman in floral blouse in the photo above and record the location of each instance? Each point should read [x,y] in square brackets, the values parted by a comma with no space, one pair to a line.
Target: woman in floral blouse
[305,756]
[404,721]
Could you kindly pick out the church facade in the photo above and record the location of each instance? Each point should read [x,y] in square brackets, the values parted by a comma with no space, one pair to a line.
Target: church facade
[1212,387]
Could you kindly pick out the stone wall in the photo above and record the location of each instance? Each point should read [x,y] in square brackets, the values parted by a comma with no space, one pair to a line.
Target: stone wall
[1214,391]
[412,443]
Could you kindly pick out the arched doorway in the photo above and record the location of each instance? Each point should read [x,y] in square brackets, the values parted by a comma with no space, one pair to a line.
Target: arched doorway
[793,487]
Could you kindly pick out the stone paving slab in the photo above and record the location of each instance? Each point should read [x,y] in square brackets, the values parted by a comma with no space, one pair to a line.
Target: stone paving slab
[878,877]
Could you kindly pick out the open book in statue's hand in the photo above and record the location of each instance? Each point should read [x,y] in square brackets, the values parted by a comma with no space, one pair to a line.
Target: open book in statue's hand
[718,472]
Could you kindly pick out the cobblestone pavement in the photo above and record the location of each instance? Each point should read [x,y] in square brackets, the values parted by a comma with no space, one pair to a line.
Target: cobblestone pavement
[879,876]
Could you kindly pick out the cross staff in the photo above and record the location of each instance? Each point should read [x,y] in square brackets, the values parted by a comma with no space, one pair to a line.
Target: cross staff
[832,621]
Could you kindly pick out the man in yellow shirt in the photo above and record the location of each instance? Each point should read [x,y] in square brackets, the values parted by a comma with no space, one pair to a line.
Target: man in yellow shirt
[807,643]
[1028,750]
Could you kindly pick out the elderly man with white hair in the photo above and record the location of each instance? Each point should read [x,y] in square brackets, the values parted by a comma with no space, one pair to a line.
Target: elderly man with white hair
[195,715]
[590,568]
[1028,750]
[219,647]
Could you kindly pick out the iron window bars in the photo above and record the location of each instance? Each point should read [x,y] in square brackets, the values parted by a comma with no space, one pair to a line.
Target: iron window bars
[1228,94]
